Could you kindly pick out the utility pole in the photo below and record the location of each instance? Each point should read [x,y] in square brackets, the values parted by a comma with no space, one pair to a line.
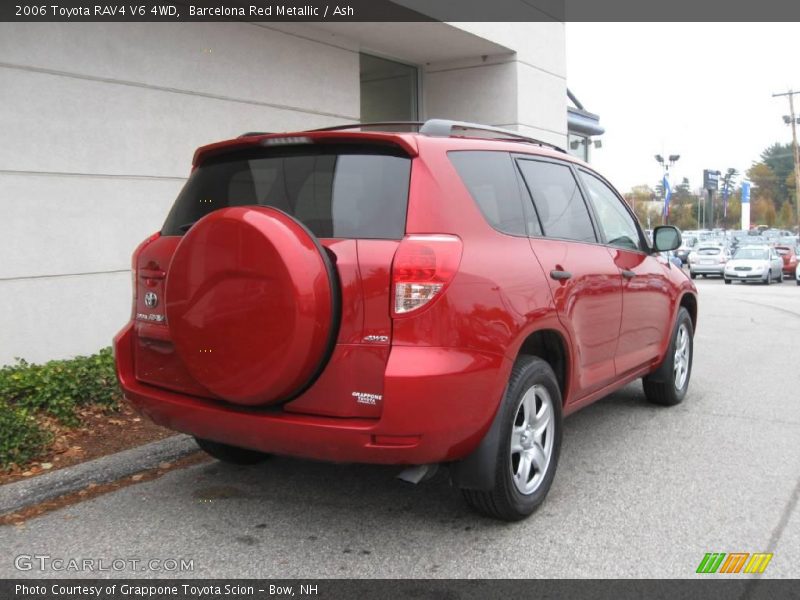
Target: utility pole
[793,121]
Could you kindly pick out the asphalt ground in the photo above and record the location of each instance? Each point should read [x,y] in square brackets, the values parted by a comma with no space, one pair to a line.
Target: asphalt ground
[641,491]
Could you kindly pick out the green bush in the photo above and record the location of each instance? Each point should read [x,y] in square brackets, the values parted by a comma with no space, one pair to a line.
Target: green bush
[59,387]
[21,438]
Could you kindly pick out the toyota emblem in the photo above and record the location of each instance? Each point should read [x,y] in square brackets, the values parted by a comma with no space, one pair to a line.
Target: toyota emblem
[150,300]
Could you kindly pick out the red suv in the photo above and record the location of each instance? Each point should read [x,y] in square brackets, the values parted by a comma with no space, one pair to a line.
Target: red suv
[441,296]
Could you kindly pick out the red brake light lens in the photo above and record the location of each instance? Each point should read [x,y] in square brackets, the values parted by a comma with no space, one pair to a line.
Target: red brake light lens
[423,266]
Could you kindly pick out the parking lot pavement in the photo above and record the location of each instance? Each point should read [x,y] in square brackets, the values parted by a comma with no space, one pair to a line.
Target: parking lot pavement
[641,491]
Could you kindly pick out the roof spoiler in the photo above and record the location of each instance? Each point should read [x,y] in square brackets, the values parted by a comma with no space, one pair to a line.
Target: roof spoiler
[439,128]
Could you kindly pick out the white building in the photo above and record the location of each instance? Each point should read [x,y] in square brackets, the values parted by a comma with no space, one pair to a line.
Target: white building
[99,123]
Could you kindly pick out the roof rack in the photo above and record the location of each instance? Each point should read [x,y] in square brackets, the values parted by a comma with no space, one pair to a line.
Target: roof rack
[416,124]
[437,128]
[445,127]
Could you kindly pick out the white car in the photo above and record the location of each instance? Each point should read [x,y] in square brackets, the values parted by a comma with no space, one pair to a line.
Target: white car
[797,274]
[708,259]
[754,263]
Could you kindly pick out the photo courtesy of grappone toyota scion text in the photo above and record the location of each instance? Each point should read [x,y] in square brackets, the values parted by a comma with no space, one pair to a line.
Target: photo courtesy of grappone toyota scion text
[411,295]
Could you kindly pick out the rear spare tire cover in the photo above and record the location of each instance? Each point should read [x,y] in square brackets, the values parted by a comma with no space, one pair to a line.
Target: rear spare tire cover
[252,304]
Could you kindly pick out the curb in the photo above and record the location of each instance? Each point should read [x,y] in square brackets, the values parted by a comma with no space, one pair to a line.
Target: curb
[28,492]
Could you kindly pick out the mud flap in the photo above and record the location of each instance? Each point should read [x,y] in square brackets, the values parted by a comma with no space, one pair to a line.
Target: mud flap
[477,471]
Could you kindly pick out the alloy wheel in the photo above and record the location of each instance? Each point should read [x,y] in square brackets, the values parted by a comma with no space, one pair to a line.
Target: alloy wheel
[680,364]
[532,438]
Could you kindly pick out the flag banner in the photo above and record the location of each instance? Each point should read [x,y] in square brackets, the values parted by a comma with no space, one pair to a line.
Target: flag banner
[667,194]
[745,192]
[725,194]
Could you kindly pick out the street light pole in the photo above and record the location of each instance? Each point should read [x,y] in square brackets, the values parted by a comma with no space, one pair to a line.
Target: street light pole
[793,121]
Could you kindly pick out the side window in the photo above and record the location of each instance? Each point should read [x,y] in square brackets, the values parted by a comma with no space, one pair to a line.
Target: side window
[615,221]
[558,200]
[492,183]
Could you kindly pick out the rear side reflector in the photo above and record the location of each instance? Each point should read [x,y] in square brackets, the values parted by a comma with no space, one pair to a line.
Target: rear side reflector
[423,266]
[395,440]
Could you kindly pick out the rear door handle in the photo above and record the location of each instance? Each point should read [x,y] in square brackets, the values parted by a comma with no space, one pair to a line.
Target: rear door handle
[560,275]
[628,274]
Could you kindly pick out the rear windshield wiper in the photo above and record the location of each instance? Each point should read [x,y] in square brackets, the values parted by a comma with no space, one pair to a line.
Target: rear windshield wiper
[186,226]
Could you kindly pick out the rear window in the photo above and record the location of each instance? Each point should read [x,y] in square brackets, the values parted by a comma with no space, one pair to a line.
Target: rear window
[708,251]
[341,191]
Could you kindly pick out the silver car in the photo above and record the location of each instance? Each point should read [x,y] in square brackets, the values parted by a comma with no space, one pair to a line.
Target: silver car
[708,259]
[754,263]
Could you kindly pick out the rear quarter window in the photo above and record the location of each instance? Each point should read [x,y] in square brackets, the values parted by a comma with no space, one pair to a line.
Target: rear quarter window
[492,182]
[337,191]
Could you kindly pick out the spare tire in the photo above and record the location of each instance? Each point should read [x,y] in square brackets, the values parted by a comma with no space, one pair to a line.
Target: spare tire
[252,304]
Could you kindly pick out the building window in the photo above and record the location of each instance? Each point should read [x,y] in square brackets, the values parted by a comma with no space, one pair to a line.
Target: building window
[388,90]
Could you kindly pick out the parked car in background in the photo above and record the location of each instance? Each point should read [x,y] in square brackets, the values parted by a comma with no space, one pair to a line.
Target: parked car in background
[754,263]
[707,260]
[789,256]
[682,253]
[401,298]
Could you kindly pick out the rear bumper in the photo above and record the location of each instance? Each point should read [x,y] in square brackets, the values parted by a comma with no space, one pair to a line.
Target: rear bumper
[437,405]
[707,269]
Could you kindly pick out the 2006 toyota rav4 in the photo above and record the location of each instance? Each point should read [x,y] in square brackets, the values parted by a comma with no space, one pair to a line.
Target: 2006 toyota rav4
[441,296]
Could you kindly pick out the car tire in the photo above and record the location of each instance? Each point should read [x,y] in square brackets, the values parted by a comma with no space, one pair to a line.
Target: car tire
[693,275]
[231,454]
[520,485]
[672,391]
[727,281]
[769,278]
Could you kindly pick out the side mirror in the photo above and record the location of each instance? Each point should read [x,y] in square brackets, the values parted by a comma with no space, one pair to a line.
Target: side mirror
[666,238]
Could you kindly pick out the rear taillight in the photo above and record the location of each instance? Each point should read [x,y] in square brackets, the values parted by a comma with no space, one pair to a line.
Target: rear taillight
[423,266]
[135,267]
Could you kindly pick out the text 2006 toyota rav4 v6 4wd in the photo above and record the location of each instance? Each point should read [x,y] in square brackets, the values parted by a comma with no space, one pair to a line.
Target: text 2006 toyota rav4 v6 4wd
[442,296]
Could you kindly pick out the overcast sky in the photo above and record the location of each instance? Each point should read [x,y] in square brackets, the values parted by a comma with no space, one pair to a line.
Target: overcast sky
[700,90]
